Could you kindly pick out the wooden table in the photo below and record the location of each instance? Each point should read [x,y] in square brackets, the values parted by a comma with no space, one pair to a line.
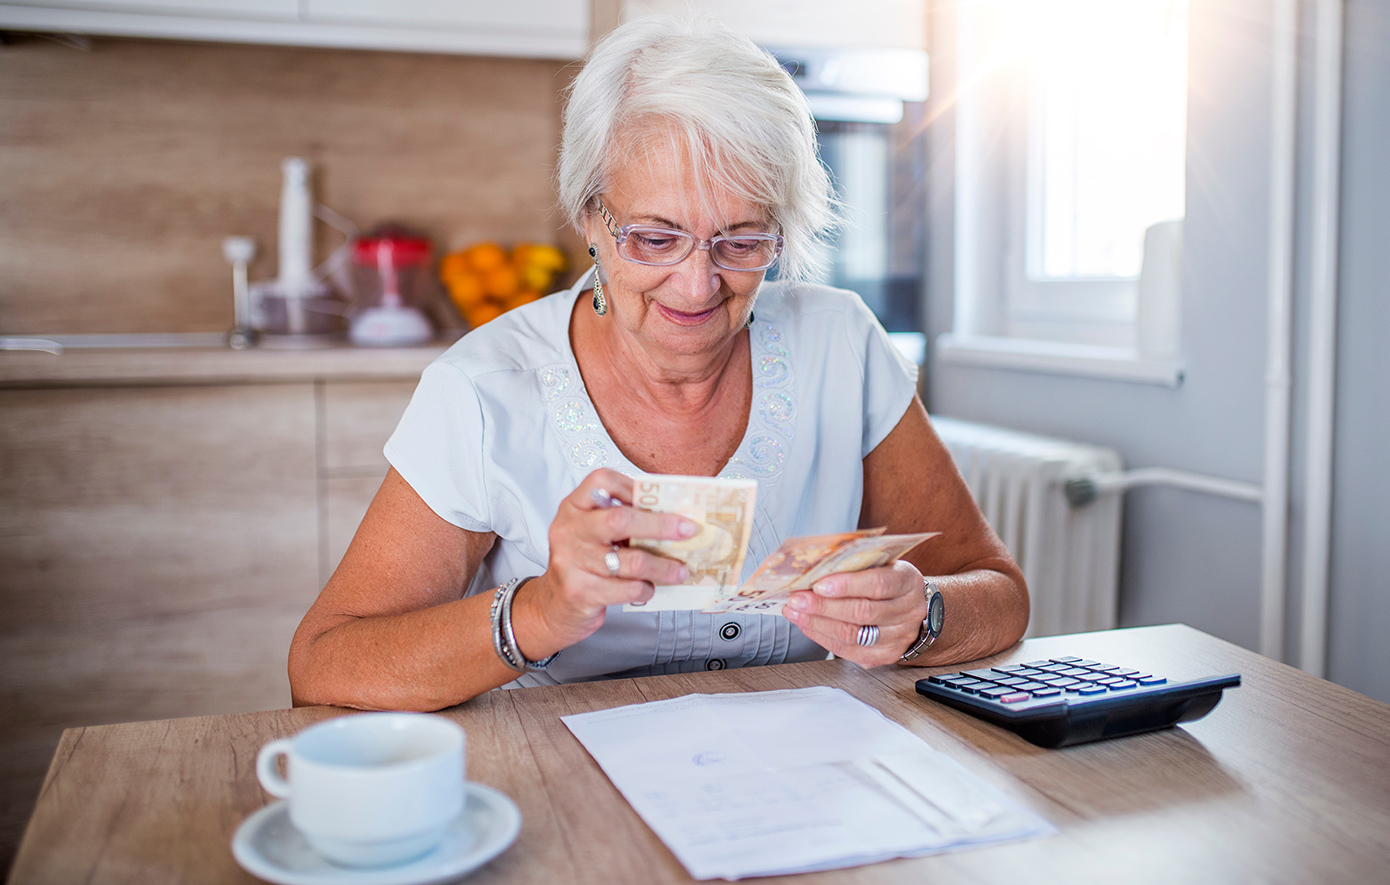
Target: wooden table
[1288,780]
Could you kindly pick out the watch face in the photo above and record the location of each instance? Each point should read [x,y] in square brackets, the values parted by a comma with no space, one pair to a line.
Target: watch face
[936,614]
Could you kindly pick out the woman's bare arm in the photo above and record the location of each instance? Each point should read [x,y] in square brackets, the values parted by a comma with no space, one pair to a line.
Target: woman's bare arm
[912,485]
[391,630]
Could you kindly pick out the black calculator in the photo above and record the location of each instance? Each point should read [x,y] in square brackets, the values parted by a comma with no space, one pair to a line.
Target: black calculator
[1064,701]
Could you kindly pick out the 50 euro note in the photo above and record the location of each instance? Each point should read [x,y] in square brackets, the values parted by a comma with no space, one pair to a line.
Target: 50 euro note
[723,510]
[801,562]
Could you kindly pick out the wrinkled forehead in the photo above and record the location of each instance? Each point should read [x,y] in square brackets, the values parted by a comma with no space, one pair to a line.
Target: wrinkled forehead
[663,170]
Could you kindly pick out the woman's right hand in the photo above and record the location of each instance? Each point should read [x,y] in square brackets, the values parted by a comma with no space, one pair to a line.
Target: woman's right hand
[569,601]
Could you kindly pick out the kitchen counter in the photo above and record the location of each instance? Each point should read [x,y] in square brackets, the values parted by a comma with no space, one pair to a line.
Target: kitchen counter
[145,366]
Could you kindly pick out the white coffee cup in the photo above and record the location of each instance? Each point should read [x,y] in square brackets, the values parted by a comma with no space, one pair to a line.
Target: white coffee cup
[371,789]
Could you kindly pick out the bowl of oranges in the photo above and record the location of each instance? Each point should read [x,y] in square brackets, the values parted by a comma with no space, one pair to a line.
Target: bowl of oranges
[486,280]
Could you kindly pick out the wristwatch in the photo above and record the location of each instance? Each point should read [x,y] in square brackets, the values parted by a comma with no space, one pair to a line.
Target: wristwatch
[931,624]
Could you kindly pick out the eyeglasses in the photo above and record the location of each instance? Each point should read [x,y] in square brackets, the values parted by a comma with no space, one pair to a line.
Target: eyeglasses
[642,244]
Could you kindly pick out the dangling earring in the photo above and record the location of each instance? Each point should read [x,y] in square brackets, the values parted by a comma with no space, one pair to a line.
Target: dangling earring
[749,324]
[600,302]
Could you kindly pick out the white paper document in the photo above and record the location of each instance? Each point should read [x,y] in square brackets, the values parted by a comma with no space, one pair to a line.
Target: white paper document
[775,782]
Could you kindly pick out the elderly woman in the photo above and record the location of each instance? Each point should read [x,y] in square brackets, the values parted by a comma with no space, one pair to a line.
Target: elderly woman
[689,165]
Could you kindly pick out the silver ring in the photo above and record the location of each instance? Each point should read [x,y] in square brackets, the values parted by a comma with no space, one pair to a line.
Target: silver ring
[603,499]
[868,635]
[610,559]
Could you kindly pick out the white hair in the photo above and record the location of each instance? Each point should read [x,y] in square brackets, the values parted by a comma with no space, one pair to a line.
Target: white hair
[724,103]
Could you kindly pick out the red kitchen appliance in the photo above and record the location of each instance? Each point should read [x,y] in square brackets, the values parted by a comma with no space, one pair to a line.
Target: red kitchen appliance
[387,279]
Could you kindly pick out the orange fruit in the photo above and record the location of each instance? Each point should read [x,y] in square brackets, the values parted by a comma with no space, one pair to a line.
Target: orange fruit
[482,312]
[484,280]
[465,290]
[501,282]
[485,256]
[452,265]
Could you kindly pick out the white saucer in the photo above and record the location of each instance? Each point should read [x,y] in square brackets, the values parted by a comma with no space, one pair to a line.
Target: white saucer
[268,846]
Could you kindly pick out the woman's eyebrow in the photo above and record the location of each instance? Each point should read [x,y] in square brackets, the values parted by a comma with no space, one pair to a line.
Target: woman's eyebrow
[658,220]
[759,226]
[662,221]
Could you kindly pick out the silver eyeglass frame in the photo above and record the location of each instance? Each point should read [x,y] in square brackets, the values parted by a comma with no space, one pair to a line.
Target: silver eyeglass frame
[620,234]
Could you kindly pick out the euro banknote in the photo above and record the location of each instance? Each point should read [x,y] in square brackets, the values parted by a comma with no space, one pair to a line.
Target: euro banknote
[723,510]
[800,562]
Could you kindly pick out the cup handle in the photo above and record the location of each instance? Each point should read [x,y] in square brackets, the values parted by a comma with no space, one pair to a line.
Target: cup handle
[267,771]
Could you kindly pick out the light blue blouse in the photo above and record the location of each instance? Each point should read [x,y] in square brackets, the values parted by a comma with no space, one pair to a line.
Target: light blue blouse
[501,429]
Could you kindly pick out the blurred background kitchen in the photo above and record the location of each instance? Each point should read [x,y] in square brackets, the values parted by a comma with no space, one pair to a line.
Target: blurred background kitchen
[1140,246]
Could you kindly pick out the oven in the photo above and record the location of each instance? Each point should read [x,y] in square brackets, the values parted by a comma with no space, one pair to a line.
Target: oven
[869,107]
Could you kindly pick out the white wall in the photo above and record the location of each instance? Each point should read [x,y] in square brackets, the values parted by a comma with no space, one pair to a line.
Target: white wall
[1360,576]
[1189,557]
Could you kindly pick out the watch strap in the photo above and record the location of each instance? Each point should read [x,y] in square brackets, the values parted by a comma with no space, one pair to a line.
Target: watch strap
[925,635]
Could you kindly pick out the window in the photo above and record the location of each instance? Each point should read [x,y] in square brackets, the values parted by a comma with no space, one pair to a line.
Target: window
[1070,146]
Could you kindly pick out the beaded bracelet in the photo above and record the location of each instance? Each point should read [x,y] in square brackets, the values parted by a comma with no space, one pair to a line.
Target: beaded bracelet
[504,638]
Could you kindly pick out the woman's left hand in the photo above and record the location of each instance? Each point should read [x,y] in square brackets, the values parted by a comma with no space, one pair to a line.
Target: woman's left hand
[890,598]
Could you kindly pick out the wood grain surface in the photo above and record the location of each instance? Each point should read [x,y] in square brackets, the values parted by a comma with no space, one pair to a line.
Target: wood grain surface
[122,168]
[158,547]
[357,419]
[1288,780]
[189,366]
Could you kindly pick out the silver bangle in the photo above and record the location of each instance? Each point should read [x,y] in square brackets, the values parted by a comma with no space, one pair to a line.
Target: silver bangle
[504,637]
[495,616]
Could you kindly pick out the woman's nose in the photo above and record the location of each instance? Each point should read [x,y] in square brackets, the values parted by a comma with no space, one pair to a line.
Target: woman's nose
[700,275]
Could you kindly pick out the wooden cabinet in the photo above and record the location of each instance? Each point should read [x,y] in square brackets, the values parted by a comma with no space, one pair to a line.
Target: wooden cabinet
[535,29]
[126,507]
[135,505]
[157,550]
[356,421]
[160,542]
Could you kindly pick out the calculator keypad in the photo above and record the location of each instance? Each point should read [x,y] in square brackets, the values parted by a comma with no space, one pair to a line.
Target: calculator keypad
[1053,678]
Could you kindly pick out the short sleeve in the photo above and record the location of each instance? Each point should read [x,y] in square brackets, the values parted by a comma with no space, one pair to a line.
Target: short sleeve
[890,381]
[438,447]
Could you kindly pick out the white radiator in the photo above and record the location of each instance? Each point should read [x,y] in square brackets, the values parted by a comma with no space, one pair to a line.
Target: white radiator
[1070,555]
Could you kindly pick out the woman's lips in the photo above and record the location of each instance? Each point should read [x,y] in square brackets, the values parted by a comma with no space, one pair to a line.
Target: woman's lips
[682,318]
